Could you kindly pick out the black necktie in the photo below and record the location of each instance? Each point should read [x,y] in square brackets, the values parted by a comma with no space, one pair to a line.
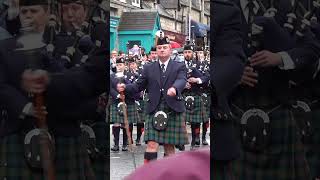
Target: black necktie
[162,68]
[251,13]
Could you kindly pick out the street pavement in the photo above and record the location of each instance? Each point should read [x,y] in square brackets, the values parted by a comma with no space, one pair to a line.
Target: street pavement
[123,163]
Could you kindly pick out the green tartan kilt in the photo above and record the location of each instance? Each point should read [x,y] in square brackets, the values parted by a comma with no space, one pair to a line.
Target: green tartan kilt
[198,113]
[142,114]
[208,105]
[175,133]
[101,169]
[313,149]
[283,159]
[133,115]
[72,161]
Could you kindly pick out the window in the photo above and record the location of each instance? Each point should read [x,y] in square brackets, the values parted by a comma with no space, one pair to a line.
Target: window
[136,3]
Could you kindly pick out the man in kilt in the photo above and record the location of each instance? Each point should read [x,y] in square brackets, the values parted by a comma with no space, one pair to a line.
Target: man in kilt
[196,110]
[271,145]
[306,93]
[116,111]
[71,158]
[165,118]
[203,66]
[133,74]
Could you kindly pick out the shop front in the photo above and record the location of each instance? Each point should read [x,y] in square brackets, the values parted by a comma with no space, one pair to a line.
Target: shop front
[114,22]
[138,28]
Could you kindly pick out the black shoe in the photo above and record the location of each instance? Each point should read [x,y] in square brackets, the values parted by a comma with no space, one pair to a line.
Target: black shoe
[204,142]
[124,148]
[138,142]
[197,142]
[115,148]
[181,147]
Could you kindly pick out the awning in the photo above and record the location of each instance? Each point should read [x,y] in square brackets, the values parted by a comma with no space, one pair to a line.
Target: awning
[176,37]
[199,30]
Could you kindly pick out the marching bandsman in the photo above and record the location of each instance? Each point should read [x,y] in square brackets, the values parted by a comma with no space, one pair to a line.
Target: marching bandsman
[196,110]
[203,66]
[165,110]
[262,103]
[133,74]
[153,54]
[116,111]
[68,147]
[306,111]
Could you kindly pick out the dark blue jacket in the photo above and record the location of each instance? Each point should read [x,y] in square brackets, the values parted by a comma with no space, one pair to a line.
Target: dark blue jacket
[225,72]
[175,76]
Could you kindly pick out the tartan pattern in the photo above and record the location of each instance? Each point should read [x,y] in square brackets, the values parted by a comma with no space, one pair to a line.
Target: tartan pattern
[133,114]
[72,162]
[209,104]
[101,169]
[313,149]
[12,163]
[142,114]
[175,134]
[283,159]
[199,112]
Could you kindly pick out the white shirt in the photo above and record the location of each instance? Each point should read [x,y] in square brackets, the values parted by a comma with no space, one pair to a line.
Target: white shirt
[245,8]
[165,64]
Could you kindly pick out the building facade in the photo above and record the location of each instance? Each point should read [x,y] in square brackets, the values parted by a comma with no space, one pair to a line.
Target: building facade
[178,19]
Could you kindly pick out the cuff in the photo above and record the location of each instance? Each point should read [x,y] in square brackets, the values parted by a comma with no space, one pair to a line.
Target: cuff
[27,110]
[287,62]
[199,81]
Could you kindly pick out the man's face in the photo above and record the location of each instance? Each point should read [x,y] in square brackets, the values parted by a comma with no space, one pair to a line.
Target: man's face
[188,54]
[133,65]
[153,55]
[120,67]
[164,51]
[114,54]
[200,55]
[34,17]
[74,14]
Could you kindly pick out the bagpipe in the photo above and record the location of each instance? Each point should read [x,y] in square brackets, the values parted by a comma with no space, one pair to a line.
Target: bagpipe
[39,144]
[300,19]
[268,34]
[75,48]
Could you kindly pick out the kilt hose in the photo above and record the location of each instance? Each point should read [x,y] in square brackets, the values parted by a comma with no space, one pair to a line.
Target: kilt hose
[175,133]
[283,158]
[313,148]
[71,160]
[198,113]
[115,117]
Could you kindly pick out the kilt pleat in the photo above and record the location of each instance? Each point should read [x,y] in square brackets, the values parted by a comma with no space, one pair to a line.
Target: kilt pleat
[313,148]
[72,160]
